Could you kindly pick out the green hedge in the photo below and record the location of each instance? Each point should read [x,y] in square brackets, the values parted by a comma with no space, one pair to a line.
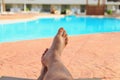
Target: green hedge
[109,12]
[27,9]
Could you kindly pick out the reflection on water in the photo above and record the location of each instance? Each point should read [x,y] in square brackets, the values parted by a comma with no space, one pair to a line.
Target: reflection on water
[47,27]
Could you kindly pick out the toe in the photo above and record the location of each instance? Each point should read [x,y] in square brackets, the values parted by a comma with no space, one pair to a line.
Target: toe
[45,52]
[60,31]
[64,33]
[66,40]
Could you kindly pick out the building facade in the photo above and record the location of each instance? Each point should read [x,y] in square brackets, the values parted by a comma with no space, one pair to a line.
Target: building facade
[55,6]
[113,5]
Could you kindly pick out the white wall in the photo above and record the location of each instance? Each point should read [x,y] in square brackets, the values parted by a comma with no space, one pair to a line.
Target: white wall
[47,1]
[1,7]
[14,1]
[112,3]
[95,2]
[57,1]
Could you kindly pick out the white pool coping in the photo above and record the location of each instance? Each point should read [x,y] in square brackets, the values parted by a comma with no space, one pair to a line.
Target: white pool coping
[8,21]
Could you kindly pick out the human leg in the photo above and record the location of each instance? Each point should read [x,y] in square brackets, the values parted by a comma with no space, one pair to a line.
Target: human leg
[55,68]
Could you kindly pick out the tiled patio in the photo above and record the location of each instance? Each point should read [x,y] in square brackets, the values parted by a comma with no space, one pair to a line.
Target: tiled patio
[88,57]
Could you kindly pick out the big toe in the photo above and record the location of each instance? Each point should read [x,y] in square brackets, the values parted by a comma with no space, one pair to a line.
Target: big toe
[60,31]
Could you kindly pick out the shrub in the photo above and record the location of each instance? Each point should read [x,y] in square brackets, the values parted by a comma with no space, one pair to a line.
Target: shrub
[109,12]
[27,9]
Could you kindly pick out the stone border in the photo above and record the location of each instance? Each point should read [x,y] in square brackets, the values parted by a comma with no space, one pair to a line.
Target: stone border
[8,21]
[25,20]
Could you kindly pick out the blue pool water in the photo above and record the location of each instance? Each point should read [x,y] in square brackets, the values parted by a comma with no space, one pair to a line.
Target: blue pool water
[47,27]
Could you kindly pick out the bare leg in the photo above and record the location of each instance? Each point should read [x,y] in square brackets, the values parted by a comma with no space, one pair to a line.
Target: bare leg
[43,73]
[51,59]
[44,68]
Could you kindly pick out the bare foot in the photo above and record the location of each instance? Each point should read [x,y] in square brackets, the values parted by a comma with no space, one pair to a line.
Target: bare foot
[59,43]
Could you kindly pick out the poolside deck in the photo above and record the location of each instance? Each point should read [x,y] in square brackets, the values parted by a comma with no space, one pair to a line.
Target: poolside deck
[18,16]
[88,57]
[28,16]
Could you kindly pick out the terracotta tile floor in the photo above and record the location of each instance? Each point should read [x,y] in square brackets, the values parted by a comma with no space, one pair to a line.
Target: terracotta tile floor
[86,56]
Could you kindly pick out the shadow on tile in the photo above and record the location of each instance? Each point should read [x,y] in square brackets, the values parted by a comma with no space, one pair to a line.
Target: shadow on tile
[14,78]
[89,79]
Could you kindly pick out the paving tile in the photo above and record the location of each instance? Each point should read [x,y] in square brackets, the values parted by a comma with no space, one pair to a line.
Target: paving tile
[87,57]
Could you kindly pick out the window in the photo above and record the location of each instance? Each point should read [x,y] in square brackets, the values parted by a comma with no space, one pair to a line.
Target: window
[83,8]
[8,6]
[46,8]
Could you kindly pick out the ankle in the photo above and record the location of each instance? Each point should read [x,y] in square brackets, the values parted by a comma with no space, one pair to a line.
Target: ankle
[55,52]
[55,61]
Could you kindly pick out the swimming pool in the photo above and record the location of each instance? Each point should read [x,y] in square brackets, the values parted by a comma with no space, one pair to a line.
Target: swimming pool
[47,27]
